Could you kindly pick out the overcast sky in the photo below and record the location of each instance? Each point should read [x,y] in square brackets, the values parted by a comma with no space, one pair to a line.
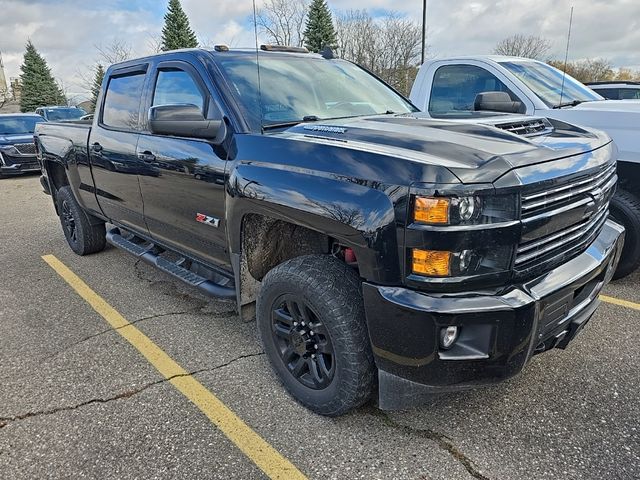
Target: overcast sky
[66,31]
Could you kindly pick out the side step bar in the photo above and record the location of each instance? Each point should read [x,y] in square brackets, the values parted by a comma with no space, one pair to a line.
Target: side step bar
[151,255]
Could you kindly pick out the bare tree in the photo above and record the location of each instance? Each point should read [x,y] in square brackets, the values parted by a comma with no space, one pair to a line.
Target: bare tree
[588,70]
[529,46]
[154,42]
[388,47]
[116,51]
[283,21]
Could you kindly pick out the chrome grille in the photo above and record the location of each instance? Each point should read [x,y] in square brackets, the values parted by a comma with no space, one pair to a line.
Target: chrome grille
[549,199]
[589,193]
[536,126]
[562,241]
[25,148]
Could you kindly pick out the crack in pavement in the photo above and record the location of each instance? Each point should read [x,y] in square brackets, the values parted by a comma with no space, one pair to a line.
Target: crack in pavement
[4,421]
[444,442]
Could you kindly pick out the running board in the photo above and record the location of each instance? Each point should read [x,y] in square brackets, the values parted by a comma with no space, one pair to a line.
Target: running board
[151,255]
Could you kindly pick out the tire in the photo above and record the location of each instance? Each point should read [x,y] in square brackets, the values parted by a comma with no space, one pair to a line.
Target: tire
[332,357]
[625,210]
[85,233]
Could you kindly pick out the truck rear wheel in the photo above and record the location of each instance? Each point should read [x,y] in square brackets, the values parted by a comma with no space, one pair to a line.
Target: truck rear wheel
[625,209]
[84,233]
[311,321]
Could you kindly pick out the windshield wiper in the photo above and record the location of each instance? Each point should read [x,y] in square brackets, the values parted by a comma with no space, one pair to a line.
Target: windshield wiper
[293,123]
[569,104]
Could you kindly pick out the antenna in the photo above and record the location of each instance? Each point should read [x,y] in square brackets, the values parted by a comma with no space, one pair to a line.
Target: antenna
[255,32]
[566,56]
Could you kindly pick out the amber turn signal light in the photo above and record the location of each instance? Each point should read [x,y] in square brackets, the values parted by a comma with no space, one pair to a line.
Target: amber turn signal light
[432,263]
[431,210]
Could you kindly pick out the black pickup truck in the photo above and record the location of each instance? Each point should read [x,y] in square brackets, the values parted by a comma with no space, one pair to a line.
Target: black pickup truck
[381,251]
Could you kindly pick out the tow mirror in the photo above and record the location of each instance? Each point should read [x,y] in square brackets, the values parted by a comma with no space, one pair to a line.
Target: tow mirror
[185,120]
[496,102]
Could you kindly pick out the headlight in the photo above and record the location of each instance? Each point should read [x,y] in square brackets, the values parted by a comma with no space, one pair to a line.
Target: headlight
[464,210]
[463,263]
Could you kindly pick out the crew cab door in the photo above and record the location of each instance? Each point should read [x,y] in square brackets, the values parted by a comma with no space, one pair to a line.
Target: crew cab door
[112,149]
[184,202]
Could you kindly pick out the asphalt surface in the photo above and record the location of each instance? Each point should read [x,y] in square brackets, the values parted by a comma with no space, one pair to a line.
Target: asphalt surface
[77,401]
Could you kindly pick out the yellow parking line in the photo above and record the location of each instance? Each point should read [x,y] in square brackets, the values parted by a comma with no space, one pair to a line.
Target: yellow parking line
[618,301]
[267,458]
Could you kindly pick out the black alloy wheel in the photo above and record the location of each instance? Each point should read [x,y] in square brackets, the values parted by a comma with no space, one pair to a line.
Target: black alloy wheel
[303,342]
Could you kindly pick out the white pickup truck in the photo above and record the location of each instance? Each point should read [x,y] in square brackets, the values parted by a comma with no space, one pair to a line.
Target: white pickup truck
[459,87]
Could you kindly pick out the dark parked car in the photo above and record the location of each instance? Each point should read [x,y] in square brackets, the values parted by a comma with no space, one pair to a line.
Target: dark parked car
[17,150]
[381,250]
[61,114]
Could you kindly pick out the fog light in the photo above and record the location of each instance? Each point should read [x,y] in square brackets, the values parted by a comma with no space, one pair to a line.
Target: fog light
[448,337]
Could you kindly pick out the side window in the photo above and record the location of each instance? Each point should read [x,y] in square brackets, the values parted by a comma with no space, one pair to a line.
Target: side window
[455,87]
[629,93]
[122,102]
[610,93]
[177,86]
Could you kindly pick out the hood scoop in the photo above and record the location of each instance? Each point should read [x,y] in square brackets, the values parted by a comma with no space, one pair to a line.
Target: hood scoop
[528,128]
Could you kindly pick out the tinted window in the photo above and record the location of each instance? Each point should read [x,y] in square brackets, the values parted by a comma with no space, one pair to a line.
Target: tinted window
[629,94]
[610,93]
[55,114]
[177,86]
[18,125]
[455,88]
[122,102]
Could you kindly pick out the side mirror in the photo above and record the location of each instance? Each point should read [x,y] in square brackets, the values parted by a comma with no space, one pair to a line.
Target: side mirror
[496,102]
[185,120]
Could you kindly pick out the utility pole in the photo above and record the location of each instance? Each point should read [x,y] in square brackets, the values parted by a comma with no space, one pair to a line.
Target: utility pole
[424,30]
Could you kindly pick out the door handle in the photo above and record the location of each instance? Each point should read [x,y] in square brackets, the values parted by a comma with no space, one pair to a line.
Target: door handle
[96,147]
[147,156]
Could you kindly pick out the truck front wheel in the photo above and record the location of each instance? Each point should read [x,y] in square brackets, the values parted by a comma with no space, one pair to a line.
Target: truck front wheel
[625,209]
[311,321]
[85,234]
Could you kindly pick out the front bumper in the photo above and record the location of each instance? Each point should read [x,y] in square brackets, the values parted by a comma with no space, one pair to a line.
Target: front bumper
[498,333]
[16,164]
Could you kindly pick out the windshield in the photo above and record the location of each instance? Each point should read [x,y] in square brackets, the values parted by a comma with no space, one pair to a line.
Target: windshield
[64,113]
[293,88]
[546,82]
[19,125]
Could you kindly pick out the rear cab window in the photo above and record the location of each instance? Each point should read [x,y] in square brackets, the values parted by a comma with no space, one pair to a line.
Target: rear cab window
[121,107]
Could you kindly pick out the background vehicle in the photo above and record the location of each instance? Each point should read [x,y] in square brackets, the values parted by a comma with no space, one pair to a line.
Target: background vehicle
[17,150]
[60,114]
[447,88]
[616,90]
[435,255]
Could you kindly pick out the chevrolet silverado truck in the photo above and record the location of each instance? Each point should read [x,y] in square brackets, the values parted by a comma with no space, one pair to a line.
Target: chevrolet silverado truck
[382,252]
[17,150]
[450,87]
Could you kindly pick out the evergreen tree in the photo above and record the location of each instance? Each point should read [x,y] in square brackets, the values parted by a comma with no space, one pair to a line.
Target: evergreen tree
[95,86]
[320,32]
[177,32]
[38,86]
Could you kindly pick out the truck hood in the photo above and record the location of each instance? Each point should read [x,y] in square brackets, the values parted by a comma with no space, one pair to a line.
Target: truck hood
[610,106]
[20,138]
[472,152]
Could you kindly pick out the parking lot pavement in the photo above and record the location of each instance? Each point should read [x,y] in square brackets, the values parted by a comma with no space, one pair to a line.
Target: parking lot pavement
[77,400]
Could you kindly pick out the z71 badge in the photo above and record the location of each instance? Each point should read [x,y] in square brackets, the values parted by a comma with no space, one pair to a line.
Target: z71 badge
[207,220]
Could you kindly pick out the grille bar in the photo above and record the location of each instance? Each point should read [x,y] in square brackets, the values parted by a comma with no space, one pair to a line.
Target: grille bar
[556,195]
[560,240]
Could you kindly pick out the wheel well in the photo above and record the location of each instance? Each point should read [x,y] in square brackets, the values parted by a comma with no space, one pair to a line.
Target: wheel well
[267,242]
[629,177]
[57,176]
